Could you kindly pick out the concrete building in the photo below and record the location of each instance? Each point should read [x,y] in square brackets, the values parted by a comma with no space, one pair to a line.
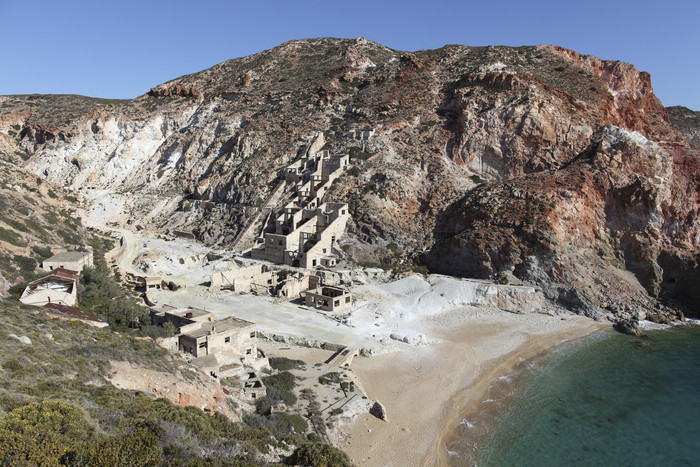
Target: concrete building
[361,135]
[253,387]
[305,237]
[152,282]
[60,288]
[255,278]
[229,334]
[293,285]
[183,319]
[73,260]
[306,229]
[198,334]
[328,298]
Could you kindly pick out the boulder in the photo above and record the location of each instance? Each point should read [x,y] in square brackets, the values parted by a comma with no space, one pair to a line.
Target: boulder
[379,411]
[629,326]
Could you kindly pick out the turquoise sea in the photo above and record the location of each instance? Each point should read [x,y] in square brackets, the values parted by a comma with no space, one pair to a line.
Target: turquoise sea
[608,399]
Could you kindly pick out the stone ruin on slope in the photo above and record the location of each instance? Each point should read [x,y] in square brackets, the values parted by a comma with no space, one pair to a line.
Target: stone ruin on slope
[306,229]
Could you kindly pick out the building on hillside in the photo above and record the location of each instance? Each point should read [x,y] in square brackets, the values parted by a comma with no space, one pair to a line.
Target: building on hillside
[306,229]
[226,335]
[60,288]
[198,334]
[255,278]
[152,282]
[328,298]
[305,237]
[73,260]
[292,285]
[361,135]
[253,387]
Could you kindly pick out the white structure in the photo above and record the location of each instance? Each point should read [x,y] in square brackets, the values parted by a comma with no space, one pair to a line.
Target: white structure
[60,288]
[73,260]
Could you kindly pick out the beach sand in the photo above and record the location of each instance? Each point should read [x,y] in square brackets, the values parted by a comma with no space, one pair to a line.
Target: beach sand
[428,389]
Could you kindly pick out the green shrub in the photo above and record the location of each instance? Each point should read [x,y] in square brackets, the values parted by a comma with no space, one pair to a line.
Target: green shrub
[357,153]
[25,263]
[14,224]
[279,389]
[41,433]
[284,363]
[476,179]
[138,447]
[42,252]
[10,236]
[283,381]
[16,290]
[329,378]
[318,455]
[279,424]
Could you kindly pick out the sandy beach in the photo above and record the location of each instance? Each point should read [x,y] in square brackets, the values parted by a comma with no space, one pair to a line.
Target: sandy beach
[439,343]
[428,389]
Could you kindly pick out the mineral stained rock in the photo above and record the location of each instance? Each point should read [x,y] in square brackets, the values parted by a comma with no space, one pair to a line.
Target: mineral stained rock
[532,164]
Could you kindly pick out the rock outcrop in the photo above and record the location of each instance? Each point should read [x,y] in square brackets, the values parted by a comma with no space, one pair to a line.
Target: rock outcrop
[379,411]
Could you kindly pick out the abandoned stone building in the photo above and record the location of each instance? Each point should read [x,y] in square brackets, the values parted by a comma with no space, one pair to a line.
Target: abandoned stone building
[361,135]
[305,237]
[256,278]
[152,282]
[328,298]
[198,334]
[253,387]
[294,284]
[72,260]
[226,335]
[304,232]
[60,287]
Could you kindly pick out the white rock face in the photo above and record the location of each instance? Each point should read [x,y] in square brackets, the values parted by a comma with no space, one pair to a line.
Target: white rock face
[111,157]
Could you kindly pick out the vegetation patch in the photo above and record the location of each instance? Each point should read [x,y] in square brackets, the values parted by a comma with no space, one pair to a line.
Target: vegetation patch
[357,153]
[284,363]
[317,455]
[12,237]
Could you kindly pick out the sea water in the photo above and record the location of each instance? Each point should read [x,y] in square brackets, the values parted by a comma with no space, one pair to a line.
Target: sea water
[610,399]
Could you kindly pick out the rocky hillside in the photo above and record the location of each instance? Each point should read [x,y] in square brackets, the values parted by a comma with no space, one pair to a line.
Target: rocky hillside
[37,219]
[532,164]
[687,121]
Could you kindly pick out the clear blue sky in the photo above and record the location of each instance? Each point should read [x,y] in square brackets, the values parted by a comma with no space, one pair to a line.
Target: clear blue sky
[120,49]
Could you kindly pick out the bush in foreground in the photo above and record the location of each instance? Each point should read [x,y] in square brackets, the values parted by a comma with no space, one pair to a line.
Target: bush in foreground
[318,455]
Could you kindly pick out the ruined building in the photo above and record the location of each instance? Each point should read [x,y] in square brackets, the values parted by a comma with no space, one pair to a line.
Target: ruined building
[328,298]
[306,229]
[198,334]
[59,287]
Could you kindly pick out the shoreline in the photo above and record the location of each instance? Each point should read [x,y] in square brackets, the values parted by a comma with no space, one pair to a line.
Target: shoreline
[429,389]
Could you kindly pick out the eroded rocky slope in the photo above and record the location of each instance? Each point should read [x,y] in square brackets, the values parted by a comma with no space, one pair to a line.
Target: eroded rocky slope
[532,164]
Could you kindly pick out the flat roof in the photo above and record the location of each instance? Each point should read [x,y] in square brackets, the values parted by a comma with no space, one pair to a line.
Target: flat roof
[181,312]
[218,327]
[68,256]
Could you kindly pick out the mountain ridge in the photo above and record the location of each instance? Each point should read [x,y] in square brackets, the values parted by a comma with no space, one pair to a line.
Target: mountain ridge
[451,125]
